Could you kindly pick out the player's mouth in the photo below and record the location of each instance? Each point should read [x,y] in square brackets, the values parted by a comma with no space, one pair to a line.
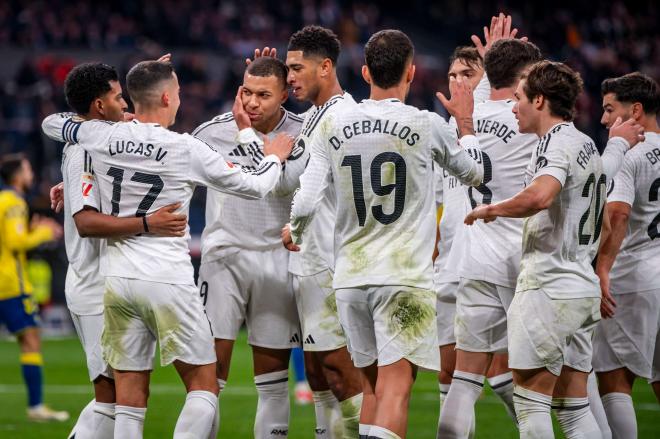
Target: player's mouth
[297,91]
[254,116]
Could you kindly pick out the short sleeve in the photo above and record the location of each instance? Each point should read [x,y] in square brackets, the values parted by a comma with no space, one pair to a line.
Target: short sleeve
[622,186]
[79,183]
[553,160]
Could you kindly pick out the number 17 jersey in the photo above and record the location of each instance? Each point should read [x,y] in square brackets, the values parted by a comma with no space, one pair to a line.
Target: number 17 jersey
[379,157]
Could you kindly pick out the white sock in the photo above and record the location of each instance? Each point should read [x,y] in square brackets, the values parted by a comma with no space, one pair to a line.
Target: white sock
[444,390]
[325,404]
[575,418]
[502,385]
[84,427]
[350,415]
[363,431]
[272,418]
[197,415]
[129,421]
[457,414]
[533,412]
[104,416]
[620,415]
[216,420]
[596,406]
[377,432]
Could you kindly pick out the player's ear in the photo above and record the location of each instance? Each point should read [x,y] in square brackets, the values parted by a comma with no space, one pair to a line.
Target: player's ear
[410,74]
[636,111]
[98,106]
[366,75]
[538,102]
[165,99]
[326,67]
[284,96]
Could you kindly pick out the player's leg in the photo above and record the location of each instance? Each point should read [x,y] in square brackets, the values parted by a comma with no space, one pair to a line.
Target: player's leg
[132,389]
[369,375]
[446,314]
[615,387]
[326,406]
[571,405]
[480,330]
[271,377]
[447,366]
[198,417]
[596,406]
[406,339]
[500,380]
[532,398]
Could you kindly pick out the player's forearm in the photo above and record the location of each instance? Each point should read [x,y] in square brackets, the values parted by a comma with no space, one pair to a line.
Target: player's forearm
[522,205]
[613,155]
[612,242]
[93,224]
[27,240]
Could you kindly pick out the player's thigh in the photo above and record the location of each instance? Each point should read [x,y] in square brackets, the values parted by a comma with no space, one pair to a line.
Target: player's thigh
[480,324]
[358,324]
[405,325]
[628,339]
[272,316]
[89,329]
[224,288]
[317,310]
[446,312]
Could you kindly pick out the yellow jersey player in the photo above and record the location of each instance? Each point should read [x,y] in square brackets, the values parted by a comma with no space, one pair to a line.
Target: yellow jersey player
[16,307]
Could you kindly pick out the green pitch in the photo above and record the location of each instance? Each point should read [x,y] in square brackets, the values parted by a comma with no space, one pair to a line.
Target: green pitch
[67,388]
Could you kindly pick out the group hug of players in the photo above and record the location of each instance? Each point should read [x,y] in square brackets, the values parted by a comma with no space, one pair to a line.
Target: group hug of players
[348,188]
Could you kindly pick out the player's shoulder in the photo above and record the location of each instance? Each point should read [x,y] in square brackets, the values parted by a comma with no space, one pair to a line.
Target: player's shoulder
[647,152]
[290,123]
[11,200]
[563,136]
[223,123]
[330,109]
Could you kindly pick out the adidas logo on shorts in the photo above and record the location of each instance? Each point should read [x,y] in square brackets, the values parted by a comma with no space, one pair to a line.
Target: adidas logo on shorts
[295,338]
[309,340]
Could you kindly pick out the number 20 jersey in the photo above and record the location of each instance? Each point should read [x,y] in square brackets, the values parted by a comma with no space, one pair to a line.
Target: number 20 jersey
[491,251]
[380,156]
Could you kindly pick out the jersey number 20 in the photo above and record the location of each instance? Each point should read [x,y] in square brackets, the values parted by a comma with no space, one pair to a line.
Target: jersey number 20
[398,187]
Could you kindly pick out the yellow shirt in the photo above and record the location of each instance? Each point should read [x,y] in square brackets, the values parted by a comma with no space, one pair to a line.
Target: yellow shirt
[15,240]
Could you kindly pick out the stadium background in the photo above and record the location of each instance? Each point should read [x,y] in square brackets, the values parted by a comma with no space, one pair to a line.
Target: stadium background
[40,41]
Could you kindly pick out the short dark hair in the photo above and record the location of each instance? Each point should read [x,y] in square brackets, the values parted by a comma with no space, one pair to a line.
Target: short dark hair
[469,55]
[144,77]
[87,82]
[634,87]
[387,54]
[557,83]
[267,66]
[316,41]
[506,60]
[10,164]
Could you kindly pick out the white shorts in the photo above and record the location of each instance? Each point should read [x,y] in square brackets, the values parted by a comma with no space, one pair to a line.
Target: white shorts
[629,338]
[551,333]
[445,307]
[252,287]
[140,313]
[388,323]
[317,310]
[89,329]
[480,324]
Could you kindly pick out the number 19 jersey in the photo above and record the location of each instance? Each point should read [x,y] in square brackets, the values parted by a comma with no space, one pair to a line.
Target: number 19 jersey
[378,155]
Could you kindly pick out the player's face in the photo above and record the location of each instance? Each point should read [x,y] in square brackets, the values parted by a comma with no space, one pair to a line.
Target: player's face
[112,104]
[471,74]
[262,98]
[524,110]
[303,75]
[612,109]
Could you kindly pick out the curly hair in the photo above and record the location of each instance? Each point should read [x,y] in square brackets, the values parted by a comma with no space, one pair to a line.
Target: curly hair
[634,87]
[557,83]
[387,54]
[316,41]
[506,60]
[87,82]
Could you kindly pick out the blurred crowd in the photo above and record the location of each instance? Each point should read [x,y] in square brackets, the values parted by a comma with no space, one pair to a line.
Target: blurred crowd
[210,39]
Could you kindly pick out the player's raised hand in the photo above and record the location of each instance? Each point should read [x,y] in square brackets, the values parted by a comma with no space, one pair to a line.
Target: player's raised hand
[128,116]
[238,110]
[607,303]
[57,197]
[500,28]
[281,146]
[461,104]
[266,51]
[165,58]
[165,222]
[287,241]
[480,212]
[630,130]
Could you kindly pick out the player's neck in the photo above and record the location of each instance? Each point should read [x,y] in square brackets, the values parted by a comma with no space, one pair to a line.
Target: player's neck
[502,94]
[546,123]
[269,125]
[153,117]
[396,92]
[650,124]
[327,92]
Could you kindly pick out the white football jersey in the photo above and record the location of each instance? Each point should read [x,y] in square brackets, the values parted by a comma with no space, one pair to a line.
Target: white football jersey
[141,167]
[317,252]
[637,266]
[84,285]
[232,222]
[377,155]
[491,251]
[560,242]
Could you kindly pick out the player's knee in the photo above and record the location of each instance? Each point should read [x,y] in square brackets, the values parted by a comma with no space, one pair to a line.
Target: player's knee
[104,389]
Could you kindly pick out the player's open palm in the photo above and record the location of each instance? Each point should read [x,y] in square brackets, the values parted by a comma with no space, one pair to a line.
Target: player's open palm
[57,197]
[480,212]
[287,241]
[166,222]
[266,51]
[461,104]
[629,130]
[281,146]
[238,110]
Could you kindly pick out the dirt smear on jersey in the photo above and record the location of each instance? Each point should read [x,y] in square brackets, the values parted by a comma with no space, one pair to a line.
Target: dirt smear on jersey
[411,314]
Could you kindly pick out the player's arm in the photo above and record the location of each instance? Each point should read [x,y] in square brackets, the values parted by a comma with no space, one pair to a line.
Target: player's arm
[18,236]
[164,222]
[71,128]
[622,137]
[313,183]
[209,168]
